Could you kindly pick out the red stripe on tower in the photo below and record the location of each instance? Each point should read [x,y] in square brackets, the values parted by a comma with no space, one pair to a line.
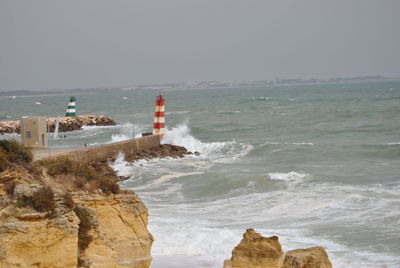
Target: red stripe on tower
[159,117]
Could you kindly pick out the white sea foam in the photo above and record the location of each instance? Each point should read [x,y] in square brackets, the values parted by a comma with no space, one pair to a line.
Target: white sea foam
[290,176]
[217,151]
[166,178]
[260,99]
[176,112]
[215,227]
[126,132]
[286,143]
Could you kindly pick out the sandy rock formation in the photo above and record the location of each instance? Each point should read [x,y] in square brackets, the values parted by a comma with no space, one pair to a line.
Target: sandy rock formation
[315,257]
[120,236]
[66,123]
[255,251]
[32,239]
[88,229]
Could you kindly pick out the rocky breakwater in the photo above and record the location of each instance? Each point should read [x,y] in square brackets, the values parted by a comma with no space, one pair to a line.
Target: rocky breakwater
[256,251]
[66,123]
[76,122]
[62,214]
[161,151]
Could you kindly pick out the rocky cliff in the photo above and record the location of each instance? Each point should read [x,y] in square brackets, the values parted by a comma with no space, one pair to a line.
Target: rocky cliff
[256,251]
[66,123]
[60,213]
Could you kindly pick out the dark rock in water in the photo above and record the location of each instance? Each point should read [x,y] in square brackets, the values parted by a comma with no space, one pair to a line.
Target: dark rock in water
[162,151]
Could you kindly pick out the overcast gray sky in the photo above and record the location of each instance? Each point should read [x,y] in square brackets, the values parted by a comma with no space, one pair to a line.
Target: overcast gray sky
[50,44]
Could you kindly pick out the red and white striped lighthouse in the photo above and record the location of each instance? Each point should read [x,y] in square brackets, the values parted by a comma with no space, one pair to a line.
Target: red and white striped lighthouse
[159,117]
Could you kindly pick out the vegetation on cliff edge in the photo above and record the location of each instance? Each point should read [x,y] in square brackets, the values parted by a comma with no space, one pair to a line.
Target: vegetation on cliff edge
[14,152]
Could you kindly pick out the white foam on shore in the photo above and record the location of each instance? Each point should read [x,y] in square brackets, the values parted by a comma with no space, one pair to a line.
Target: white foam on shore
[212,229]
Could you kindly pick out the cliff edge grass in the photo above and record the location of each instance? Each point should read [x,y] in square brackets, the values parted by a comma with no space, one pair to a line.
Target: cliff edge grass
[61,213]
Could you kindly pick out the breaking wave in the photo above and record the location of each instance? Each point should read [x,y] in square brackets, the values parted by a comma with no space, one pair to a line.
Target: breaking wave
[223,151]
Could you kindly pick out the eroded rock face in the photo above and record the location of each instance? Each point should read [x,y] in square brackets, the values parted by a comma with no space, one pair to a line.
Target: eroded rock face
[315,257]
[255,251]
[32,239]
[120,236]
[115,233]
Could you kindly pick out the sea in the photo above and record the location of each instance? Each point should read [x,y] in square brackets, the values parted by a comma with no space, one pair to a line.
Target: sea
[315,165]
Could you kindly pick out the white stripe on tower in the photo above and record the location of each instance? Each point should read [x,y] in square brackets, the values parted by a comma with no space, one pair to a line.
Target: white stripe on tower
[71,110]
[159,120]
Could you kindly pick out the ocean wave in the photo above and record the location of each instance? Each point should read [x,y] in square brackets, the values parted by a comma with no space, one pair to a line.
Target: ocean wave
[215,227]
[288,177]
[286,143]
[393,143]
[223,151]
[126,132]
[260,99]
[177,112]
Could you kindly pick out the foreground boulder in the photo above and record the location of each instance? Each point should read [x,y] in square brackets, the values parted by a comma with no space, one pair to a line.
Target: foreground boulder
[256,251]
[315,257]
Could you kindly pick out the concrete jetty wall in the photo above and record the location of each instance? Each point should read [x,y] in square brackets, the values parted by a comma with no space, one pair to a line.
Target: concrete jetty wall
[103,152]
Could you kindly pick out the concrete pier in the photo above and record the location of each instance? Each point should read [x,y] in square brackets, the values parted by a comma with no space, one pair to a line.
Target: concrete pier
[100,153]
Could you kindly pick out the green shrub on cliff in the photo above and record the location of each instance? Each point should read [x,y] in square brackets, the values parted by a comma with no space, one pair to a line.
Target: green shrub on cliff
[16,152]
[9,187]
[64,165]
[85,225]
[68,201]
[90,177]
[41,200]
[3,160]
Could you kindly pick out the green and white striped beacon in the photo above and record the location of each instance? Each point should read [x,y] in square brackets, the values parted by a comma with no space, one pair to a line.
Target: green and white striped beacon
[71,110]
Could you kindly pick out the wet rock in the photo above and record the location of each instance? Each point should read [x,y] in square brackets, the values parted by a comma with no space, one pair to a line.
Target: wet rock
[162,151]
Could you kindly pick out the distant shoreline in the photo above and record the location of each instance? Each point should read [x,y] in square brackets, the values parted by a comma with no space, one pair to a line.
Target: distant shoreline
[201,85]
